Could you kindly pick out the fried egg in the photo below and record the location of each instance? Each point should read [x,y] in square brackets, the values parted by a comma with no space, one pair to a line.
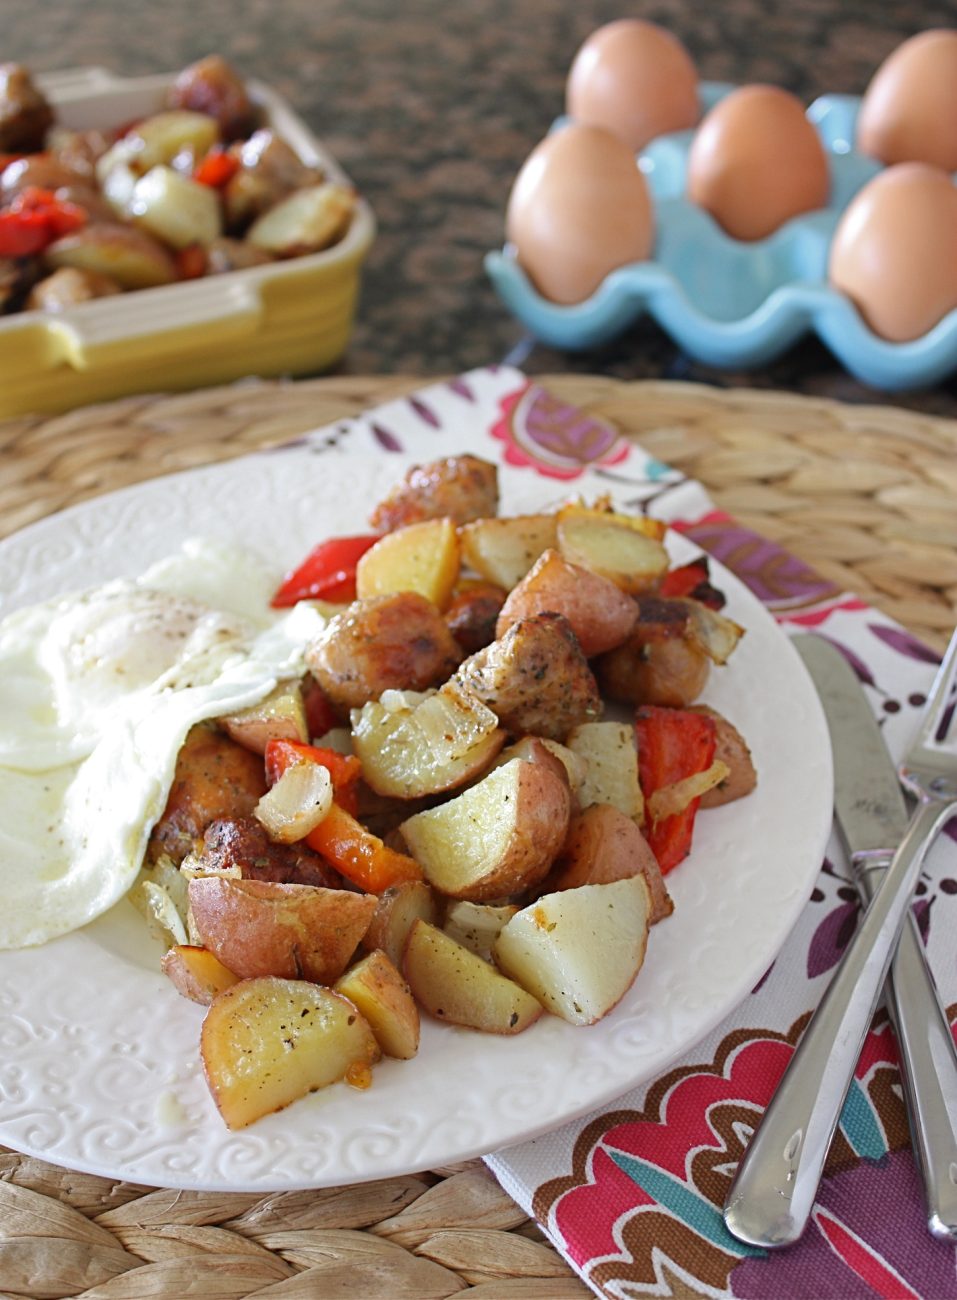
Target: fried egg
[97,692]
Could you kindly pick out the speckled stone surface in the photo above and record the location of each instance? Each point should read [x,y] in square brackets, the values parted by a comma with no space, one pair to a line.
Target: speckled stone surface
[432,108]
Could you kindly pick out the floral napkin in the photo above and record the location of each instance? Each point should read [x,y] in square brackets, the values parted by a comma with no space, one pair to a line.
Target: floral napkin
[632,1195]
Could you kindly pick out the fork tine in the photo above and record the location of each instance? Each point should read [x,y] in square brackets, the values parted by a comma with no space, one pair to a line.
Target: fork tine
[937,715]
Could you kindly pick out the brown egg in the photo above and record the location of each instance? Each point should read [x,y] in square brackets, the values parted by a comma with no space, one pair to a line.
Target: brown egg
[579,208]
[894,252]
[756,161]
[909,110]
[635,79]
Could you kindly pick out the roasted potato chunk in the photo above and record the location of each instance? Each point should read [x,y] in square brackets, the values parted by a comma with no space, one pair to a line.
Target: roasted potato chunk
[126,255]
[460,488]
[476,926]
[497,838]
[214,778]
[578,951]
[503,550]
[394,642]
[610,752]
[456,986]
[269,169]
[626,549]
[43,170]
[225,254]
[534,678]
[421,557]
[280,716]
[258,927]
[375,986]
[604,845]
[414,745]
[600,614]
[196,973]
[397,910]
[266,1042]
[306,221]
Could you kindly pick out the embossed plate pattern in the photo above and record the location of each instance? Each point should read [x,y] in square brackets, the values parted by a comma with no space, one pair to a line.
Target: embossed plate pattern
[99,1064]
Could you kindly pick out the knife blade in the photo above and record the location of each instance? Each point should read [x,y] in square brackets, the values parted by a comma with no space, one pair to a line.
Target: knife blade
[872,815]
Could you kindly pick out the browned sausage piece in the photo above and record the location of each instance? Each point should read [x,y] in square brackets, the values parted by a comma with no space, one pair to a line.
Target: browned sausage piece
[215,777]
[395,642]
[661,662]
[25,115]
[460,488]
[535,678]
[472,615]
[243,842]
[214,87]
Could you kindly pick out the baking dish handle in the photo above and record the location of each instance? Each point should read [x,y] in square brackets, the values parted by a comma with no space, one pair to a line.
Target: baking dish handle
[203,313]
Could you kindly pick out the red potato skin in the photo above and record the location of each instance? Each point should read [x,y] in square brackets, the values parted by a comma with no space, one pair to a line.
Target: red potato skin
[395,642]
[732,749]
[260,927]
[600,614]
[603,845]
[215,777]
[539,835]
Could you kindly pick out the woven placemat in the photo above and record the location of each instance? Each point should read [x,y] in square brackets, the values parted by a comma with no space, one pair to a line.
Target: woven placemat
[866,494]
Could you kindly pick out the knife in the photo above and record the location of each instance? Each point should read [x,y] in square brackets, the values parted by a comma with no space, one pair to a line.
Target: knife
[872,816]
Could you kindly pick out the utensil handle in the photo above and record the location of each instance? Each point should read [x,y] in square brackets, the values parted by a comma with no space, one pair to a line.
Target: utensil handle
[929,1071]
[773,1191]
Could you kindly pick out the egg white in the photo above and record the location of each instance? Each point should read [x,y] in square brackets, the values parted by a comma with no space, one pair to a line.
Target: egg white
[97,692]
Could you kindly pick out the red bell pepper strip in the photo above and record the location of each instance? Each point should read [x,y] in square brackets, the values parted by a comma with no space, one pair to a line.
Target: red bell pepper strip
[672,744]
[34,219]
[344,769]
[217,169]
[692,580]
[359,855]
[343,841]
[329,567]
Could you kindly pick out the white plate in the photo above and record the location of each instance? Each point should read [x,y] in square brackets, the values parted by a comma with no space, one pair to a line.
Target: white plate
[99,1064]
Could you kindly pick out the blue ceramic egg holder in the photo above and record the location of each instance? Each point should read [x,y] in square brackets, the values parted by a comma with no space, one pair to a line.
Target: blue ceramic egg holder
[731,304]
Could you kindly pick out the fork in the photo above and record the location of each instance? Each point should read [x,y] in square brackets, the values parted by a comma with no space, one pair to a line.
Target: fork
[774,1189]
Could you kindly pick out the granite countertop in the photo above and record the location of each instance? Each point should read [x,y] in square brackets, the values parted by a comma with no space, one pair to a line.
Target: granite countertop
[432,108]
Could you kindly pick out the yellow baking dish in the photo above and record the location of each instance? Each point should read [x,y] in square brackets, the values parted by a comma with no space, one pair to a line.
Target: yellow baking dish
[289,317]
